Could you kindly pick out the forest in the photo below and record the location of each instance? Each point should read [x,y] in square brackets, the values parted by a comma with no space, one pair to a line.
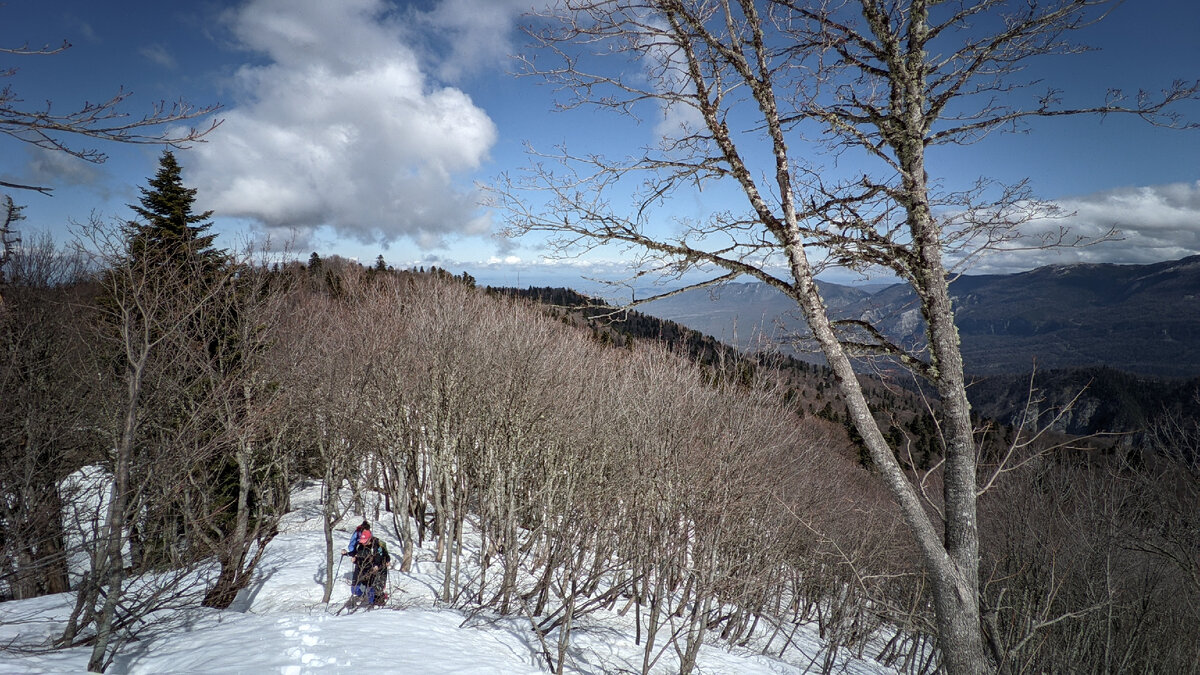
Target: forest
[188,389]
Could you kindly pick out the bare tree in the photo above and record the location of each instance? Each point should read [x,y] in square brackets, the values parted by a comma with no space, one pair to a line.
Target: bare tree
[47,379]
[249,429]
[879,80]
[328,372]
[53,129]
[148,304]
[10,239]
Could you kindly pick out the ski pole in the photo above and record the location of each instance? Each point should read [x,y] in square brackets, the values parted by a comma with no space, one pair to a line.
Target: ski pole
[337,574]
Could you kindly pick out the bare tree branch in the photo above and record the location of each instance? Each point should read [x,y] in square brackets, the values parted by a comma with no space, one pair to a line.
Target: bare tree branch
[104,121]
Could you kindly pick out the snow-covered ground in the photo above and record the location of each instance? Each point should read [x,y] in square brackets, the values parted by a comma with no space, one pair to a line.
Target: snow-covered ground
[279,625]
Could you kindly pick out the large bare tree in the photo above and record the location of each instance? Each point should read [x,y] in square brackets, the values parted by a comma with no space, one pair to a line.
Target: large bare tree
[742,83]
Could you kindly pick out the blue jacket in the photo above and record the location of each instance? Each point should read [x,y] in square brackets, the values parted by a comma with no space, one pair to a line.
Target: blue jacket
[354,539]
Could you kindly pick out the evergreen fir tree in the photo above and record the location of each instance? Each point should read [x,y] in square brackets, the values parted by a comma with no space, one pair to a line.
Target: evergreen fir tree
[174,243]
[169,230]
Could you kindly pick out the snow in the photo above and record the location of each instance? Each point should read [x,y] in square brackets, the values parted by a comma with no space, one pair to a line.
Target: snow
[278,625]
[86,494]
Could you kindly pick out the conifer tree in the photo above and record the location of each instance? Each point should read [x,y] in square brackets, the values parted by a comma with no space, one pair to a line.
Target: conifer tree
[169,230]
[171,253]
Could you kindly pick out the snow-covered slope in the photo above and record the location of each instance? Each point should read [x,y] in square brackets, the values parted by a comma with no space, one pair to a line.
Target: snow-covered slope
[278,625]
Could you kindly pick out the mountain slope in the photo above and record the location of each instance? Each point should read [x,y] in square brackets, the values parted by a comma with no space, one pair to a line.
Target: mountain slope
[1139,318]
[1105,400]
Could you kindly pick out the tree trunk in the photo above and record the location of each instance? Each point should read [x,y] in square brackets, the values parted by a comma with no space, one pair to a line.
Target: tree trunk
[233,577]
[113,531]
[399,494]
[954,579]
[955,583]
[330,517]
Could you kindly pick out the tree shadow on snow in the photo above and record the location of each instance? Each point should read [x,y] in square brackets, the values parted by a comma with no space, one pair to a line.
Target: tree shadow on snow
[245,597]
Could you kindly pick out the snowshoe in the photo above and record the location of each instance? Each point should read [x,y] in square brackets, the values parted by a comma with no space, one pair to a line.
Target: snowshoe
[352,604]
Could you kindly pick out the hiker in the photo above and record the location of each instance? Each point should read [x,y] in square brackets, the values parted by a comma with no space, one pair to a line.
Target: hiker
[354,537]
[358,548]
[371,561]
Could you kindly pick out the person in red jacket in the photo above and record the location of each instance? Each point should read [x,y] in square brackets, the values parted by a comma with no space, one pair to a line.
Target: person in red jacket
[371,560]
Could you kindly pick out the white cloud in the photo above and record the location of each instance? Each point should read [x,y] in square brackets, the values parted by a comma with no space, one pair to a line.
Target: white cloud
[1154,223]
[342,128]
[1150,211]
[475,33]
[506,260]
[666,68]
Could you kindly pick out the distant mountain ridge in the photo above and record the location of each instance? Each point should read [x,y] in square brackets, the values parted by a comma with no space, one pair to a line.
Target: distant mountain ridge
[1142,319]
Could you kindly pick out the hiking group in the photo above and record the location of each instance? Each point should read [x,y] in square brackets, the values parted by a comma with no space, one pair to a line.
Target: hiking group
[370,565]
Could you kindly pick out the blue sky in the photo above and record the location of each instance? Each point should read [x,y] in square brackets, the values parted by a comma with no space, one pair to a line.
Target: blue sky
[362,127]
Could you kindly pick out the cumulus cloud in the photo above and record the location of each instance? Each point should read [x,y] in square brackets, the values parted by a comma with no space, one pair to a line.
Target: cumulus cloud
[1153,223]
[342,127]
[472,34]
